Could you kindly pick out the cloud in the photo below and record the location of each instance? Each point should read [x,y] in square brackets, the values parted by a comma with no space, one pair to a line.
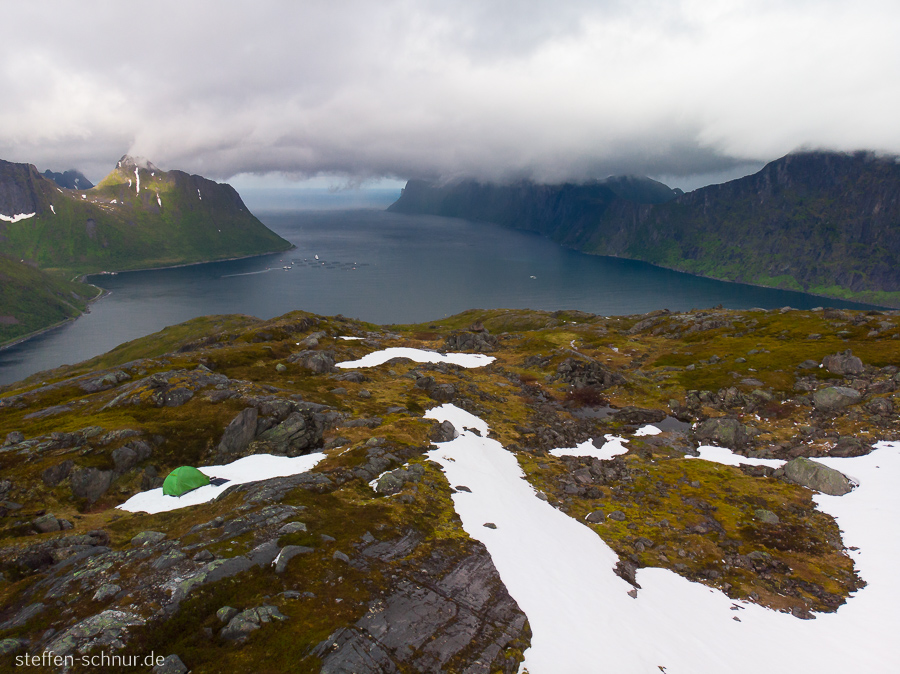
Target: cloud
[553,91]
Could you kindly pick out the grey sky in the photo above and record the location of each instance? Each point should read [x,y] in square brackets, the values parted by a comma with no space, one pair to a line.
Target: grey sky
[393,89]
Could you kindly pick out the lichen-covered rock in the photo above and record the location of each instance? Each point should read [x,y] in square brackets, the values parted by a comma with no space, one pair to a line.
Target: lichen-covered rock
[442,432]
[238,434]
[724,432]
[104,630]
[298,434]
[843,363]
[817,476]
[834,398]
[480,341]
[245,622]
[582,373]
[147,538]
[90,483]
[316,361]
[55,474]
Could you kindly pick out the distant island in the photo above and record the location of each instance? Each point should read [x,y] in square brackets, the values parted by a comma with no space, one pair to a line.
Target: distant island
[137,217]
[824,223]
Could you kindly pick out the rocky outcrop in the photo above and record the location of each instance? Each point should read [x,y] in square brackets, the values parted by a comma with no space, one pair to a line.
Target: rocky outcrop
[582,373]
[448,614]
[723,432]
[814,475]
[481,341]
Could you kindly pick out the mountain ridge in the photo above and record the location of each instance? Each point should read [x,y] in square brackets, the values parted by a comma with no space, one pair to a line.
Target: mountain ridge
[137,217]
[820,222]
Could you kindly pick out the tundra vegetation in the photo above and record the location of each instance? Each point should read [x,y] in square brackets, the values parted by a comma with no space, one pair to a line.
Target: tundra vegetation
[272,575]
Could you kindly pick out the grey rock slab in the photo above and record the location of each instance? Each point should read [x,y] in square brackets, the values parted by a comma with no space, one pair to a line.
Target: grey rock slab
[226,613]
[106,592]
[766,516]
[147,538]
[106,629]
[239,433]
[291,528]
[843,363]
[23,616]
[817,476]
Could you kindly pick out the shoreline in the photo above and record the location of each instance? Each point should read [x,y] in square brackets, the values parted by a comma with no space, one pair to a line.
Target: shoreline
[31,335]
[102,292]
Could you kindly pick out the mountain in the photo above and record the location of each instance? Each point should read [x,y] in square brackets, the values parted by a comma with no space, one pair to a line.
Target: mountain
[71,179]
[416,510]
[820,222]
[136,217]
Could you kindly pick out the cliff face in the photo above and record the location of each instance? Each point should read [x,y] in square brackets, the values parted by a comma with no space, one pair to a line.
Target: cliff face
[826,223]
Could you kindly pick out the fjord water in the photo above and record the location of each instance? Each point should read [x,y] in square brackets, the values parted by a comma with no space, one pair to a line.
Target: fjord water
[384,268]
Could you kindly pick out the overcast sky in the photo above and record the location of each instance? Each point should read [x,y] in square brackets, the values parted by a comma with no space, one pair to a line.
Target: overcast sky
[357,91]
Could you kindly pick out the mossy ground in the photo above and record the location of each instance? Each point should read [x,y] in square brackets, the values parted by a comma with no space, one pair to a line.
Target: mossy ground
[700,518]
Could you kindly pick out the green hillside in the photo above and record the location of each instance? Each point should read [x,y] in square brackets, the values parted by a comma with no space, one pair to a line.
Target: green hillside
[137,217]
[31,300]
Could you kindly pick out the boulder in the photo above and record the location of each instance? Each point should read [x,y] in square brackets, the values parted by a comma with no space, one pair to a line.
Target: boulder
[46,524]
[581,373]
[481,341]
[843,363]
[238,434]
[317,361]
[90,483]
[847,446]
[881,406]
[724,432]
[53,475]
[442,393]
[14,438]
[834,398]
[442,432]
[128,456]
[817,476]
[296,435]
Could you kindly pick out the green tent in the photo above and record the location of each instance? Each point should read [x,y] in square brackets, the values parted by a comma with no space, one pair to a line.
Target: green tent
[183,479]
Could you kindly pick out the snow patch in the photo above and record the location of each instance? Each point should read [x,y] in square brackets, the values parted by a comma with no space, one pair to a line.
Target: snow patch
[137,177]
[420,356]
[247,469]
[614,446]
[158,200]
[350,338]
[199,195]
[561,574]
[17,218]
[727,457]
[647,430]
[52,209]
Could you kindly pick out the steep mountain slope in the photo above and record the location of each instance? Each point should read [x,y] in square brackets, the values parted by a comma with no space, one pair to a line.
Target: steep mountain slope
[820,222]
[138,216]
[31,300]
[71,179]
[360,562]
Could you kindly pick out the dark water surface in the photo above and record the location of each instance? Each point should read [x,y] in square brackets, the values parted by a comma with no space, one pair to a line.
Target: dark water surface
[385,268]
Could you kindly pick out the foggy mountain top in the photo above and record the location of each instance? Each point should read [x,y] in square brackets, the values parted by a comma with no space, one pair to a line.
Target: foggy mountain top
[498,91]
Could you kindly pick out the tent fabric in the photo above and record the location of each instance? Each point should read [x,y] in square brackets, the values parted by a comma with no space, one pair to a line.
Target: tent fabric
[182,480]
